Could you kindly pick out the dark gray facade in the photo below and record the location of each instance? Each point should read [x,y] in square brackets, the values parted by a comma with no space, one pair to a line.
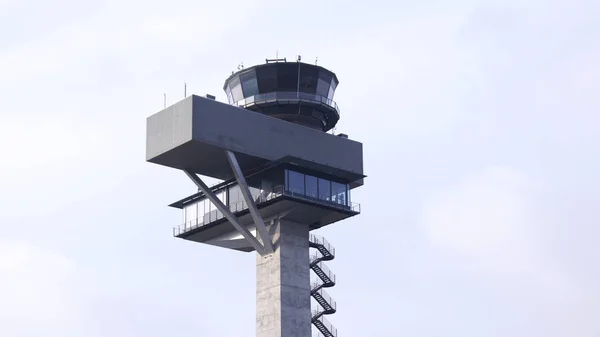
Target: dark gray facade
[186,134]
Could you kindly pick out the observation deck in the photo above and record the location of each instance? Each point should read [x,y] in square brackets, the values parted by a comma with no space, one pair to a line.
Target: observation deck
[305,198]
[294,91]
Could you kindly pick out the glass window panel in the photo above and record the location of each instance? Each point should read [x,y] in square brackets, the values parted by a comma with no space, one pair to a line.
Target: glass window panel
[324,189]
[296,182]
[332,89]
[323,88]
[312,189]
[266,186]
[236,89]
[235,198]
[255,192]
[309,76]
[206,212]
[191,214]
[221,195]
[228,92]
[324,83]
[287,76]
[249,83]
[267,79]
[338,193]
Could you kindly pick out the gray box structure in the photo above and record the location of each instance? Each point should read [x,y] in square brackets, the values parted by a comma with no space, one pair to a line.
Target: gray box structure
[282,176]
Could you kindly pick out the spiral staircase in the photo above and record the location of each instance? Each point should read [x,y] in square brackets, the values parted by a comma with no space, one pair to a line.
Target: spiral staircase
[326,279]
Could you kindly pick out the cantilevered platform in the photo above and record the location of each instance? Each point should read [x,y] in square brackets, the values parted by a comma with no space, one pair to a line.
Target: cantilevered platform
[213,228]
[194,134]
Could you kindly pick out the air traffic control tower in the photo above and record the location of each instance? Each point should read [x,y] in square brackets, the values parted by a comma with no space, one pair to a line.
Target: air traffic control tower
[283,176]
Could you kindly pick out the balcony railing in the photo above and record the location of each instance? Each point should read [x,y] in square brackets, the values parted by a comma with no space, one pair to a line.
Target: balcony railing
[239,206]
[287,97]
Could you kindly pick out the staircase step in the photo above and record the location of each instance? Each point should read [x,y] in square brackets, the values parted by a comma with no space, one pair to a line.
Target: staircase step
[325,252]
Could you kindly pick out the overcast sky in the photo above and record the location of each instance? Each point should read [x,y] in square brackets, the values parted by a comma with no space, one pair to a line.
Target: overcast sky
[481,132]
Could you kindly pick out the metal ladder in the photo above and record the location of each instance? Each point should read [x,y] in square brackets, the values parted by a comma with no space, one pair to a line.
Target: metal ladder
[327,306]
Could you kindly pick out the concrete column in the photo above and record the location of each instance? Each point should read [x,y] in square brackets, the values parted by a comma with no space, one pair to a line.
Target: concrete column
[283,284]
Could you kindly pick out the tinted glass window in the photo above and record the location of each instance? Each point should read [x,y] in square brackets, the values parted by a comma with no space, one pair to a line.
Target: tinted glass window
[287,76]
[249,84]
[312,189]
[324,189]
[236,89]
[338,193]
[324,83]
[308,78]
[296,182]
[332,89]
[267,79]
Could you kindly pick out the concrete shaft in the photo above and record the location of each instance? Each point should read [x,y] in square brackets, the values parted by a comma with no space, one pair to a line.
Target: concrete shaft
[283,284]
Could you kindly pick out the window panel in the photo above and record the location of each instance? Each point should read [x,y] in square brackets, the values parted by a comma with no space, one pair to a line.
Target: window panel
[249,83]
[332,89]
[236,89]
[312,188]
[228,92]
[255,193]
[221,195]
[267,79]
[235,198]
[191,214]
[324,189]
[338,193]
[324,83]
[287,76]
[308,78]
[296,182]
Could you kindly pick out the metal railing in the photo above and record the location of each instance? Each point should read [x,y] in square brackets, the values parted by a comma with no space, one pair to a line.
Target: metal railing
[328,273]
[330,301]
[319,240]
[239,206]
[325,322]
[287,97]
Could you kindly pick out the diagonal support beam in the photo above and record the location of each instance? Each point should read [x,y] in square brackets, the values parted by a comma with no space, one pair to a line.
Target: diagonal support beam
[261,229]
[226,212]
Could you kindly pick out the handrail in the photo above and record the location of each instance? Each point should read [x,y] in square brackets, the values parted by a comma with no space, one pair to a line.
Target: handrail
[327,298]
[290,96]
[326,270]
[325,322]
[241,205]
[327,305]
[319,240]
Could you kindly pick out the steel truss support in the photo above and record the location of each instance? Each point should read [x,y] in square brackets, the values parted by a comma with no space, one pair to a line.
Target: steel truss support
[227,213]
[261,229]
